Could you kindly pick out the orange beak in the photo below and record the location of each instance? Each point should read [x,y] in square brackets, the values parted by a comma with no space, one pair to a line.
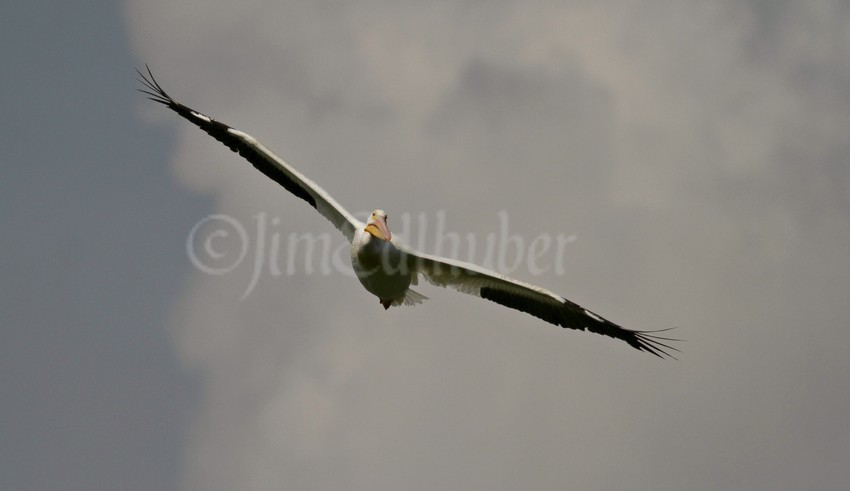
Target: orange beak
[378,228]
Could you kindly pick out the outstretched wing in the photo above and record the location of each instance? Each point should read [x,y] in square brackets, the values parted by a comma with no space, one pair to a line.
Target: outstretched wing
[260,157]
[532,299]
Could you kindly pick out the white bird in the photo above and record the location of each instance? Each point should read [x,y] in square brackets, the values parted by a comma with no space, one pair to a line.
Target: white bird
[386,266]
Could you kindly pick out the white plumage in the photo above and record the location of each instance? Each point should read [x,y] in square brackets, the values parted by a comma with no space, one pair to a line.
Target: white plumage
[386,266]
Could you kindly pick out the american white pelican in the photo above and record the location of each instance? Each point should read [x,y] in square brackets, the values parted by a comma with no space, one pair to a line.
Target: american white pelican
[386,266]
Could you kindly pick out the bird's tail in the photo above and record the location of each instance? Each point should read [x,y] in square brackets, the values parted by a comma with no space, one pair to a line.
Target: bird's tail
[411,298]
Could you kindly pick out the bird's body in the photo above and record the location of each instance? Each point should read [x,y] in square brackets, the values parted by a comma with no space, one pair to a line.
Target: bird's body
[380,267]
[387,267]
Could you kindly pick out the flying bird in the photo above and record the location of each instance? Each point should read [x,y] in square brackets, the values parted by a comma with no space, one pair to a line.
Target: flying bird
[386,266]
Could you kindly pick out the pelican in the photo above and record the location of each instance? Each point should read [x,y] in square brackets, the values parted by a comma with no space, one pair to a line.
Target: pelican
[386,266]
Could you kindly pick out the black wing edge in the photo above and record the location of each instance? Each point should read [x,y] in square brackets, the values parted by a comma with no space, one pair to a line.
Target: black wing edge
[646,340]
[572,316]
[153,90]
[220,132]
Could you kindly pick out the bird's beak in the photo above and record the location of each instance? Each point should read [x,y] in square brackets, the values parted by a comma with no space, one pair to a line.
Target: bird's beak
[378,228]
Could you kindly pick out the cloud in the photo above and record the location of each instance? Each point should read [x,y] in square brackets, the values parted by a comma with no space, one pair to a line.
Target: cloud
[698,152]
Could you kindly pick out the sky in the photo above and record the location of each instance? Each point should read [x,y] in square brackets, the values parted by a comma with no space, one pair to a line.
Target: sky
[692,156]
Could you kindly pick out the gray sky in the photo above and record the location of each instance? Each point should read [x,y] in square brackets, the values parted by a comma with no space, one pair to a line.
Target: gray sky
[696,151]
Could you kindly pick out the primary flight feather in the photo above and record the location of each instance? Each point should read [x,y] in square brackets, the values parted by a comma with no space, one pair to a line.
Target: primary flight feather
[386,266]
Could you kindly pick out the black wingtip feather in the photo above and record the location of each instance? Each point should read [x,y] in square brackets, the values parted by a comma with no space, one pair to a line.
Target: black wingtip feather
[152,87]
[572,316]
[645,341]
[220,132]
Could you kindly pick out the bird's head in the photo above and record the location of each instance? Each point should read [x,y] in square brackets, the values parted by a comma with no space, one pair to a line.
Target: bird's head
[377,225]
